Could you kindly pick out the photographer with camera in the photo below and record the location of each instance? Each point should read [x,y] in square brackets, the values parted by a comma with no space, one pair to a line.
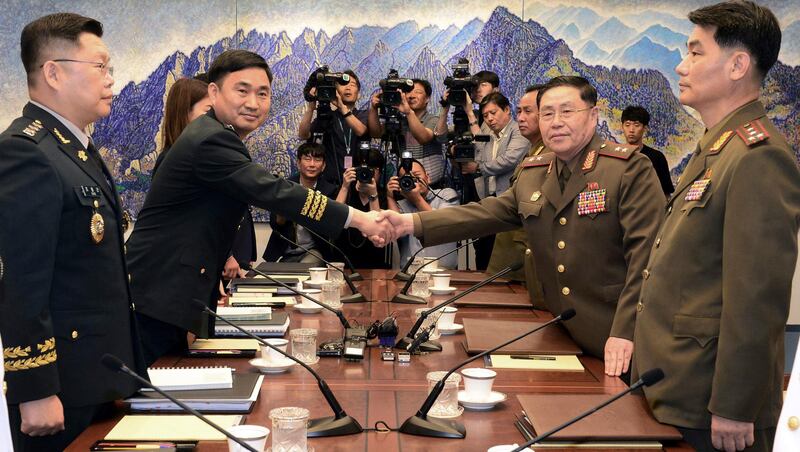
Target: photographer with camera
[419,136]
[333,97]
[364,190]
[420,198]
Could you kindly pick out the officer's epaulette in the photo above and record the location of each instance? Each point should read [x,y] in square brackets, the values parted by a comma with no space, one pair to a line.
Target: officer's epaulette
[620,151]
[752,133]
[32,130]
[538,160]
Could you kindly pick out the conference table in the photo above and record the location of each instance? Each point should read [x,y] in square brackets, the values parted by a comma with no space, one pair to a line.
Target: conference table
[373,390]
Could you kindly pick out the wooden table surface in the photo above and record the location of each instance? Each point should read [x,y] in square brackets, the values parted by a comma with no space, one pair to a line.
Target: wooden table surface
[373,390]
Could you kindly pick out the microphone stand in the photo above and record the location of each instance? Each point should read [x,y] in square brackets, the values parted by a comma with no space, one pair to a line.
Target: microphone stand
[434,346]
[354,275]
[356,297]
[403,297]
[421,425]
[403,275]
[648,378]
[338,424]
[116,364]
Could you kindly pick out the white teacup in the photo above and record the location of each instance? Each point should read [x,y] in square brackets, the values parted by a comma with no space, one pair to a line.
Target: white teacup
[478,383]
[254,436]
[269,355]
[447,318]
[441,280]
[429,263]
[313,293]
[318,274]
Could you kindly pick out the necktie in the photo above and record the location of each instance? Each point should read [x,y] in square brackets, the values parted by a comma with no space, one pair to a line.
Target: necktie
[563,177]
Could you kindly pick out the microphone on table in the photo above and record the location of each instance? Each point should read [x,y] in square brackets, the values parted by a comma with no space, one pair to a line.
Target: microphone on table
[421,339]
[435,346]
[403,275]
[421,425]
[338,424]
[354,275]
[403,296]
[356,297]
[117,365]
[648,378]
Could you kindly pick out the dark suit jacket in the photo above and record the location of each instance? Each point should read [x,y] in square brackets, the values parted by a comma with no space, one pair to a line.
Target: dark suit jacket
[661,166]
[277,246]
[67,300]
[186,228]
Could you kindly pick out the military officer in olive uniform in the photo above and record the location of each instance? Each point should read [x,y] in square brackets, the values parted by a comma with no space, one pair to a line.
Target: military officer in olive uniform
[590,210]
[717,286]
[511,247]
[66,300]
[187,225]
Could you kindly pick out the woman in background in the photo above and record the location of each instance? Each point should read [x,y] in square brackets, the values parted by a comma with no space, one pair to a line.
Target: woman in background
[187,100]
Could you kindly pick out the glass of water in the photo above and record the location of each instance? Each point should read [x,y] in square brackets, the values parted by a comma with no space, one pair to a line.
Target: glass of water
[331,294]
[335,275]
[431,320]
[446,404]
[304,345]
[289,429]
[420,285]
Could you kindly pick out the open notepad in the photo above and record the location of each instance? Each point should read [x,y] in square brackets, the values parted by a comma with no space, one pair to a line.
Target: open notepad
[190,378]
[554,363]
[178,427]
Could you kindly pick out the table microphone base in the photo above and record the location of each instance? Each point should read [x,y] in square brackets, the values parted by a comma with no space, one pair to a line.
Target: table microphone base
[408,299]
[430,346]
[355,298]
[356,276]
[439,428]
[402,276]
[330,426]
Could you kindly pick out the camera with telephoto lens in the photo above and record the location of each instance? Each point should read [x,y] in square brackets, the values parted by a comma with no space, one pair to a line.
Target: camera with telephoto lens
[460,83]
[325,82]
[390,96]
[407,181]
[363,171]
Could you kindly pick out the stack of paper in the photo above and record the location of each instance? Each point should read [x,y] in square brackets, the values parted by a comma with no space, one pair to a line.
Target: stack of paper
[236,313]
[183,427]
[237,399]
[190,378]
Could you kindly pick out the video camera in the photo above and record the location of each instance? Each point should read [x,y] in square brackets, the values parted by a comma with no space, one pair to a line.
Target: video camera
[325,82]
[460,83]
[390,97]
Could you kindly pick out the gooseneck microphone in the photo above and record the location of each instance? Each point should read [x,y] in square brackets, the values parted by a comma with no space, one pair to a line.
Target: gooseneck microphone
[648,378]
[338,312]
[435,346]
[339,424]
[354,275]
[116,364]
[403,275]
[356,297]
[403,296]
[421,425]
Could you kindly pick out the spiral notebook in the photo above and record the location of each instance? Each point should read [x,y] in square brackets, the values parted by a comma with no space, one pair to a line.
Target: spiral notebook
[274,327]
[190,378]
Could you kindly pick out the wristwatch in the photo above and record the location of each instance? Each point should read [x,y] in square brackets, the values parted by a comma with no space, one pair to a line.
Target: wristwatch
[372,197]
[349,113]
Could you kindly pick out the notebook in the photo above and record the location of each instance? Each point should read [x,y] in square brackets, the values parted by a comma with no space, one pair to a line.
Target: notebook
[627,419]
[239,398]
[484,334]
[259,299]
[190,378]
[221,346]
[236,313]
[275,327]
[553,363]
[172,427]
[283,268]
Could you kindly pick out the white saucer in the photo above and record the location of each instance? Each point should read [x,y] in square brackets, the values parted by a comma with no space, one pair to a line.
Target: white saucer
[459,412]
[308,308]
[448,330]
[432,270]
[274,367]
[494,398]
[316,284]
[442,290]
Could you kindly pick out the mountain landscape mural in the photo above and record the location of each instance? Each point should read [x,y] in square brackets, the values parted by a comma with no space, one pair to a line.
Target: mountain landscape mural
[628,57]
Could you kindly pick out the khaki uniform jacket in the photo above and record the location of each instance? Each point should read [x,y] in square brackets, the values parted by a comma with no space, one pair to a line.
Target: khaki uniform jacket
[511,247]
[716,294]
[590,261]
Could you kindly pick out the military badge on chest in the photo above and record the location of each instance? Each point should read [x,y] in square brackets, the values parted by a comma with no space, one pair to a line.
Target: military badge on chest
[592,200]
[97,225]
[699,187]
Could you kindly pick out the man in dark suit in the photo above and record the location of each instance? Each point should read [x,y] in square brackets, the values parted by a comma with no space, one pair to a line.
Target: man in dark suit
[185,229]
[310,166]
[635,122]
[67,300]
[718,281]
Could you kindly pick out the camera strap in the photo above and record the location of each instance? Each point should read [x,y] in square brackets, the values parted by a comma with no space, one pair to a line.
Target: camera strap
[348,138]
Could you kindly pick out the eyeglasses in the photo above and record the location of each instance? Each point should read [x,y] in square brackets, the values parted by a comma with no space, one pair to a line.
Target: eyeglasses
[567,113]
[105,68]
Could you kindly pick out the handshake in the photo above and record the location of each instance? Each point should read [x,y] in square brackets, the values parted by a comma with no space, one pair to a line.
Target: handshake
[382,227]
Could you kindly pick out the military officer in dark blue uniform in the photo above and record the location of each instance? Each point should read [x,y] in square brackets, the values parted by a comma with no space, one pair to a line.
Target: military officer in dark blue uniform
[66,300]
